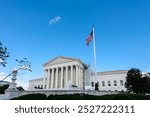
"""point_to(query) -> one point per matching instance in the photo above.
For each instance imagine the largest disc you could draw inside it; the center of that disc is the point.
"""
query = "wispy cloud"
(1, 61)
(23, 84)
(54, 20)
(2, 75)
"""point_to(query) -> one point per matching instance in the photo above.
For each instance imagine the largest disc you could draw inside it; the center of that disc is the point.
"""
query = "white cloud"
(24, 85)
(1, 61)
(2, 75)
(54, 20)
(23, 80)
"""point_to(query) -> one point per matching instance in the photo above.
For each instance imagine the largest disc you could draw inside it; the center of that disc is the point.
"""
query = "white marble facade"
(36, 83)
(63, 72)
(110, 80)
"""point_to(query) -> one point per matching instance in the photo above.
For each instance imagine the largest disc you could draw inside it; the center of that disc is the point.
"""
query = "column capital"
(77, 65)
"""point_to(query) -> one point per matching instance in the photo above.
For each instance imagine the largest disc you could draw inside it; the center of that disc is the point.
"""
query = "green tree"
(20, 88)
(137, 83)
(147, 83)
(3, 88)
(133, 80)
(3, 55)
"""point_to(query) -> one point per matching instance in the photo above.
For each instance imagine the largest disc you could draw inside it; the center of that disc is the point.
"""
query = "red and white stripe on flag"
(89, 39)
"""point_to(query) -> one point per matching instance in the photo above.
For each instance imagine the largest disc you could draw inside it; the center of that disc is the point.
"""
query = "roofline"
(76, 59)
(112, 72)
(35, 79)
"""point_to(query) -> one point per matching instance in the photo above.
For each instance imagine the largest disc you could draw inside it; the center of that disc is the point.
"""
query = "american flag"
(89, 39)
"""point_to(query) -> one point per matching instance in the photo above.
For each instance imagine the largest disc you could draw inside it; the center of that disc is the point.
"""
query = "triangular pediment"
(59, 60)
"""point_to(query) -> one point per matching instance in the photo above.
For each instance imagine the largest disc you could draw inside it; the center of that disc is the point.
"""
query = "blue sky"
(43, 29)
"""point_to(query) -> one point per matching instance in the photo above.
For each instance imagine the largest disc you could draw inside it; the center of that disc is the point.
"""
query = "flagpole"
(94, 49)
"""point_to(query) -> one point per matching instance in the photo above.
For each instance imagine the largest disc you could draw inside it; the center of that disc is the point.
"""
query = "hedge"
(83, 97)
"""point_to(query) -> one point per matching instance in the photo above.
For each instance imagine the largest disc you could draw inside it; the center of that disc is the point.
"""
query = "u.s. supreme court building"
(64, 73)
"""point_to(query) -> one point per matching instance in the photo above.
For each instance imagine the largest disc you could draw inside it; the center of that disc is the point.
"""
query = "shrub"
(83, 97)
(122, 97)
(31, 97)
(3, 88)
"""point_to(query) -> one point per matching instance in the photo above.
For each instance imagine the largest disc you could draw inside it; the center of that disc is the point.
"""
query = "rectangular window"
(115, 83)
(121, 83)
(92, 83)
(109, 84)
(103, 83)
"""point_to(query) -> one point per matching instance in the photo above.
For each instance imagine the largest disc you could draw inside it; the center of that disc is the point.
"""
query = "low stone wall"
(100, 93)
(51, 92)
(9, 95)
(4, 97)
(60, 92)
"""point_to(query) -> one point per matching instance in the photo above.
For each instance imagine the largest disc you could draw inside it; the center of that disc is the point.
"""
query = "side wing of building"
(36, 83)
(110, 81)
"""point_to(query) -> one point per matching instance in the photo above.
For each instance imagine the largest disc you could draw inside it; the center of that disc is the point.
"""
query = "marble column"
(56, 81)
(66, 75)
(77, 76)
(71, 74)
(52, 78)
(44, 80)
(61, 78)
(82, 82)
(48, 78)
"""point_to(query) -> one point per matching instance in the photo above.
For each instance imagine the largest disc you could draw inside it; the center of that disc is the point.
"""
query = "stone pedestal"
(12, 91)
